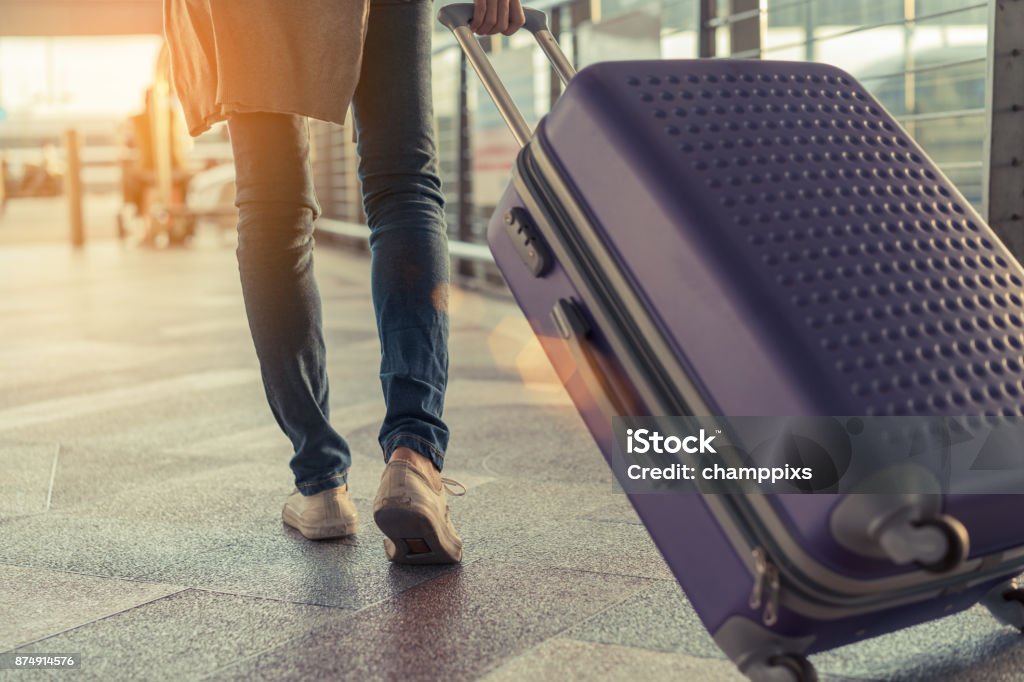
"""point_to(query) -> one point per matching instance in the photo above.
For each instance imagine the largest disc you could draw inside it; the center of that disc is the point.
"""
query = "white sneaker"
(327, 514)
(414, 517)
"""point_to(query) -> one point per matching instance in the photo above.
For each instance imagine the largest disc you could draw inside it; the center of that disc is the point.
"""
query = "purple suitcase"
(726, 237)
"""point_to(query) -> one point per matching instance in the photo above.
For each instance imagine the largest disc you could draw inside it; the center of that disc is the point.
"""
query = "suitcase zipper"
(767, 587)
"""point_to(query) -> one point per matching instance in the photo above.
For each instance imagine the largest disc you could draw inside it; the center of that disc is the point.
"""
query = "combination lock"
(529, 244)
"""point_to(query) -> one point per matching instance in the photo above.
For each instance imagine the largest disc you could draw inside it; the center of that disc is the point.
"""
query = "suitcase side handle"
(456, 18)
(609, 399)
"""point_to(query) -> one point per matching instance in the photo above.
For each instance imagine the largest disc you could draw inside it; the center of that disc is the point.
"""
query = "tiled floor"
(143, 478)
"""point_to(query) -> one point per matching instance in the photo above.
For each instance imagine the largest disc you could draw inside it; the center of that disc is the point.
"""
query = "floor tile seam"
(559, 633)
(134, 579)
(190, 557)
(280, 600)
(95, 620)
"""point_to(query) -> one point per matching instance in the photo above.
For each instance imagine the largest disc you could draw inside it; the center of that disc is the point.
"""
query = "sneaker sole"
(322, 532)
(414, 537)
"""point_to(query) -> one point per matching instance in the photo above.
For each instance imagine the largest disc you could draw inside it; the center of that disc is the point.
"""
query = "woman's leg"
(405, 211)
(276, 209)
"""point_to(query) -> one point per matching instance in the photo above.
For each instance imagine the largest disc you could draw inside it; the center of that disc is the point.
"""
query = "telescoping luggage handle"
(608, 398)
(457, 17)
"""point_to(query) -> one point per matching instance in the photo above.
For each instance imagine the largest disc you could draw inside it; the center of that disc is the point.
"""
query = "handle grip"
(457, 16)
(461, 14)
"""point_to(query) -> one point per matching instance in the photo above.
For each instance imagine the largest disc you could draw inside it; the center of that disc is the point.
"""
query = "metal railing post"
(73, 187)
(1003, 179)
(3, 183)
(706, 31)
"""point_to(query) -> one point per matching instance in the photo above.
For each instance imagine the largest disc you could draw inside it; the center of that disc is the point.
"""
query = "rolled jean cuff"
(414, 442)
(314, 487)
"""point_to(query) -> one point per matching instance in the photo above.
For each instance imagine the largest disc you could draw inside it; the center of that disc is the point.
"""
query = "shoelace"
(448, 482)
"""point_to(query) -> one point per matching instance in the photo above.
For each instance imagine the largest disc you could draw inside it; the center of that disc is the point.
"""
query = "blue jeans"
(409, 250)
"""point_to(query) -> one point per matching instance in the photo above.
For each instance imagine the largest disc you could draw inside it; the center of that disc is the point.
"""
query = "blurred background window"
(924, 59)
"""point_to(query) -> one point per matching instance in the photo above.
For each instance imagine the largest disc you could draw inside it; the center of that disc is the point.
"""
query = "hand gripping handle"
(456, 18)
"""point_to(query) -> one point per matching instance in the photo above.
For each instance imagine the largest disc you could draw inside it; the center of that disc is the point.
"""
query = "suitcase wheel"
(783, 668)
(1016, 596)
(957, 543)
(1006, 603)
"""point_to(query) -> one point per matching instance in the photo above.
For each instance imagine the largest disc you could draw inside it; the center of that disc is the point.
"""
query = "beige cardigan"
(285, 56)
